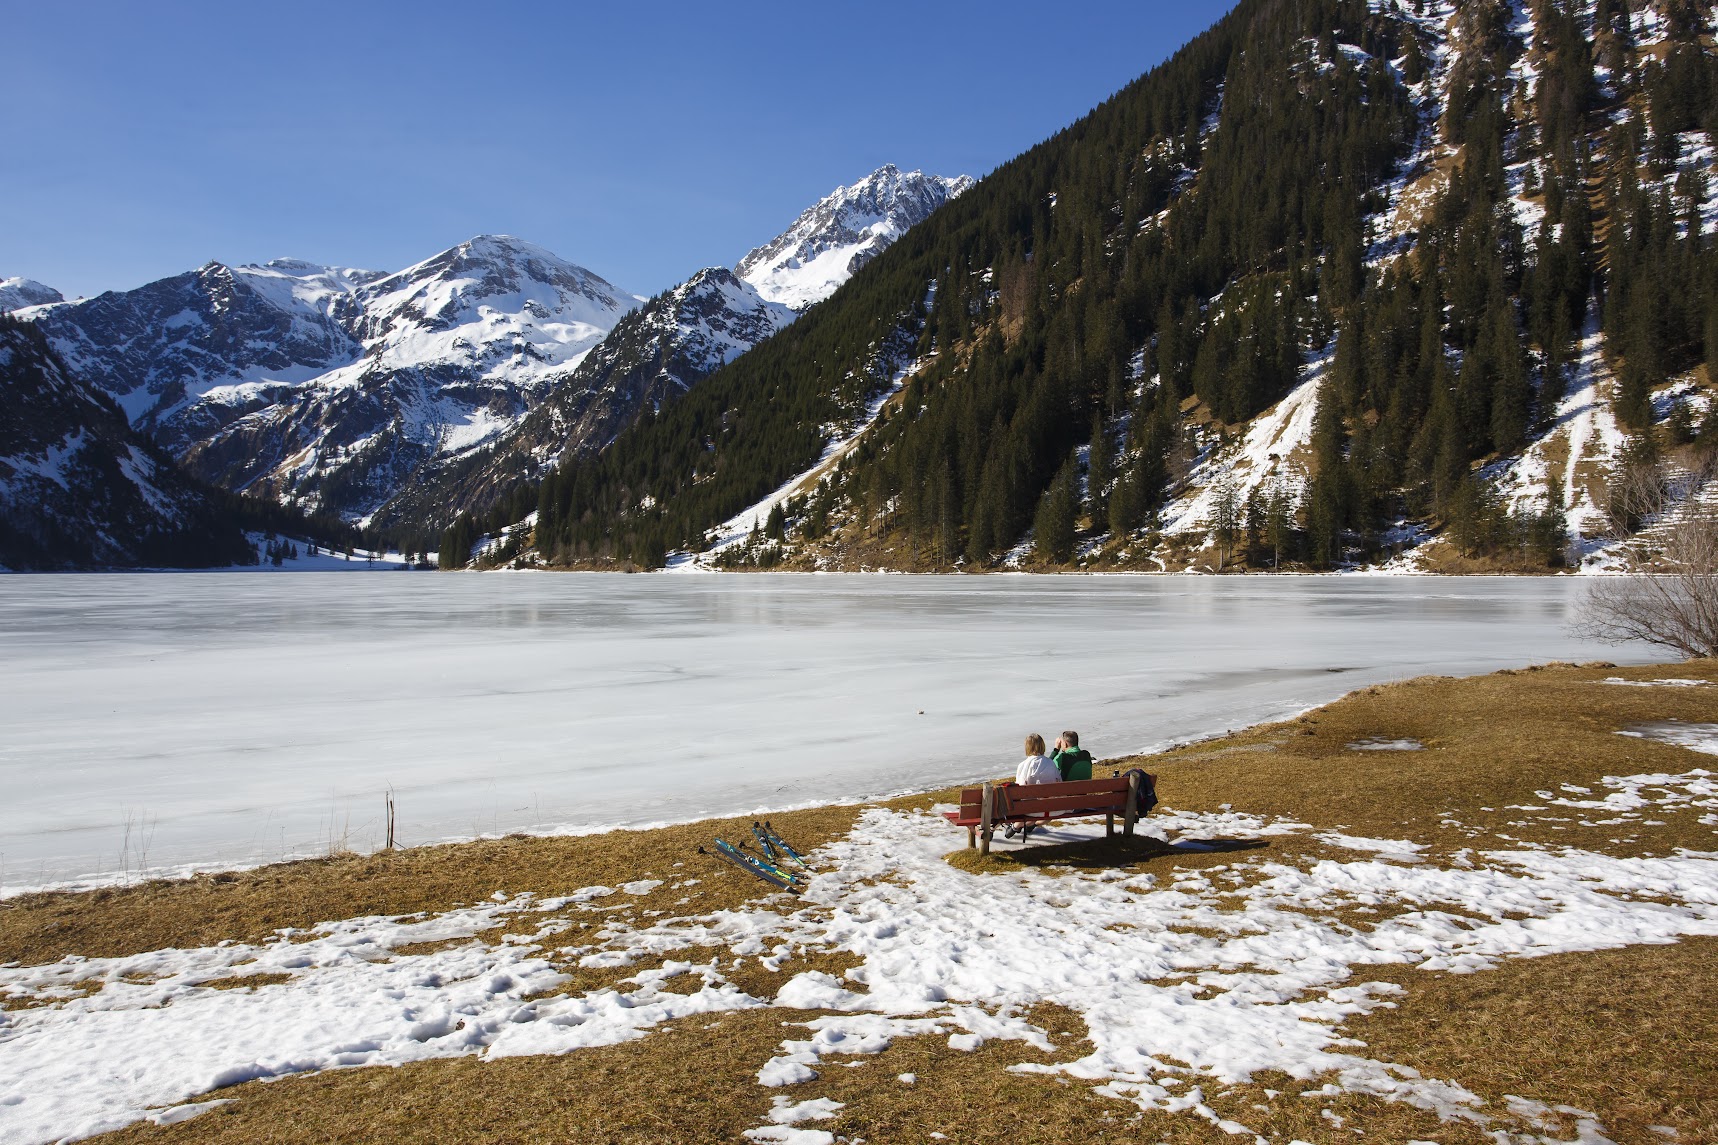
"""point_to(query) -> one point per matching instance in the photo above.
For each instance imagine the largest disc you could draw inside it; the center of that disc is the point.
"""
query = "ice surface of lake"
(218, 718)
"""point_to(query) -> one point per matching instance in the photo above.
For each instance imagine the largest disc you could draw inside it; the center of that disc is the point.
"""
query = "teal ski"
(764, 861)
(781, 844)
(763, 839)
(740, 861)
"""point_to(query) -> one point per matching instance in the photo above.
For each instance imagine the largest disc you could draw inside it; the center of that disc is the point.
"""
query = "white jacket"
(1037, 769)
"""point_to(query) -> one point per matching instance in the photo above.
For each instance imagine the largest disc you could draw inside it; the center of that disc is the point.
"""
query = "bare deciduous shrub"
(1670, 600)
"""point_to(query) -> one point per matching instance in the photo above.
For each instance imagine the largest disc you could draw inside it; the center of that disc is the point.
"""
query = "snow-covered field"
(162, 721)
(1209, 976)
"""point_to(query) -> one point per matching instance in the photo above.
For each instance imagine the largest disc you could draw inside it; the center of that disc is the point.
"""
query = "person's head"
(1034, 744)
(1072, 739)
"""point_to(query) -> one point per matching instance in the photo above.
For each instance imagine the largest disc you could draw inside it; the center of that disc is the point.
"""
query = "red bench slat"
(1062, 804)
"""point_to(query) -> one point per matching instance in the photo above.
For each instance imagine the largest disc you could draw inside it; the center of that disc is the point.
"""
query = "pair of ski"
(769, 863)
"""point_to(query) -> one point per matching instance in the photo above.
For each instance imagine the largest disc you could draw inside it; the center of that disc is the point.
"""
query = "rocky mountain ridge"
(328, 387)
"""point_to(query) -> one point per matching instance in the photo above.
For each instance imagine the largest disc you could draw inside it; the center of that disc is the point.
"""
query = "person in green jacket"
(1072, 760)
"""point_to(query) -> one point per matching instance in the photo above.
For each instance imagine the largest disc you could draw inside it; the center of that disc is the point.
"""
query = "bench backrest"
(1012, 799)
(1097, 795)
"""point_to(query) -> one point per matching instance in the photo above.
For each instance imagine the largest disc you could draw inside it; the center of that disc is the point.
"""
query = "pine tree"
(1279, 520)
(1225, 520)
(1100, 471)
(1053, 524)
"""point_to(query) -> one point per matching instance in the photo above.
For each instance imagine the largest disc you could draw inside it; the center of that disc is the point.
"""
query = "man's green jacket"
(1074, 763)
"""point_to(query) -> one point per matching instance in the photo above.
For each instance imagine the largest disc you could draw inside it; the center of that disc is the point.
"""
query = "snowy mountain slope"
(845, 230)
(79, 487)
(17, 293)
(1272, 450)
(405, 396)
(661, 350)
(653, 355)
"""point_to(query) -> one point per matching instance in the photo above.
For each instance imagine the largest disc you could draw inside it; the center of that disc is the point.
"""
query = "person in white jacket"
(1035, 768)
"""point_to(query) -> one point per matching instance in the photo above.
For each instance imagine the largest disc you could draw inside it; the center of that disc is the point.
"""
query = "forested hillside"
(1339, 277)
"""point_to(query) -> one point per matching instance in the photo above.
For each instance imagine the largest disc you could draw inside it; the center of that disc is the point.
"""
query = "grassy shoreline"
(1627, 1034)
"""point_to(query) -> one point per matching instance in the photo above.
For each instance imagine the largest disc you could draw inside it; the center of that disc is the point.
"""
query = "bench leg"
(987, 810)
(1109, 824)
(971, 838)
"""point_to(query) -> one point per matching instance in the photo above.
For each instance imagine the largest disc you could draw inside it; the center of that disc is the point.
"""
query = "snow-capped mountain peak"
(493, 294)
(17, 293)
(827, 244)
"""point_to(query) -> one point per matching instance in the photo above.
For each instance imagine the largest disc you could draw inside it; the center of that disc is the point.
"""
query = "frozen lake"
(225, 718)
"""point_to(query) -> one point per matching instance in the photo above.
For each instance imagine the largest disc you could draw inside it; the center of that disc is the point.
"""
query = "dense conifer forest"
(1369, 194)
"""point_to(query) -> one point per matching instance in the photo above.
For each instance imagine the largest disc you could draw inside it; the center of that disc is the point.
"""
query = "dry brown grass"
(1630, 1034)
(1491, 743)
(252, 905)
(1626, 1034)
(246, 981)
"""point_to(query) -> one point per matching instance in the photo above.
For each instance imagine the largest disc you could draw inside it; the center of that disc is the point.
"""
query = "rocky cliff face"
(79, 487)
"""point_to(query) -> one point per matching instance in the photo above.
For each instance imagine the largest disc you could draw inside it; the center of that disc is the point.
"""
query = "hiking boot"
(1010, 831)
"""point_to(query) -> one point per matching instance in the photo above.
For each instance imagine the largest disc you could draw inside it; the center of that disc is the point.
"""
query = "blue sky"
(640, 141)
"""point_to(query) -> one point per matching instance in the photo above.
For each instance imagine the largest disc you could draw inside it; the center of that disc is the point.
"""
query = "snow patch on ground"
(788, 1113)
(1671, 683)
(1387, 745)
(1696, 737)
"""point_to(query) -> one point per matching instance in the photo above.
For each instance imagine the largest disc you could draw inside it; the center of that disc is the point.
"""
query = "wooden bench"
(1027, 805)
